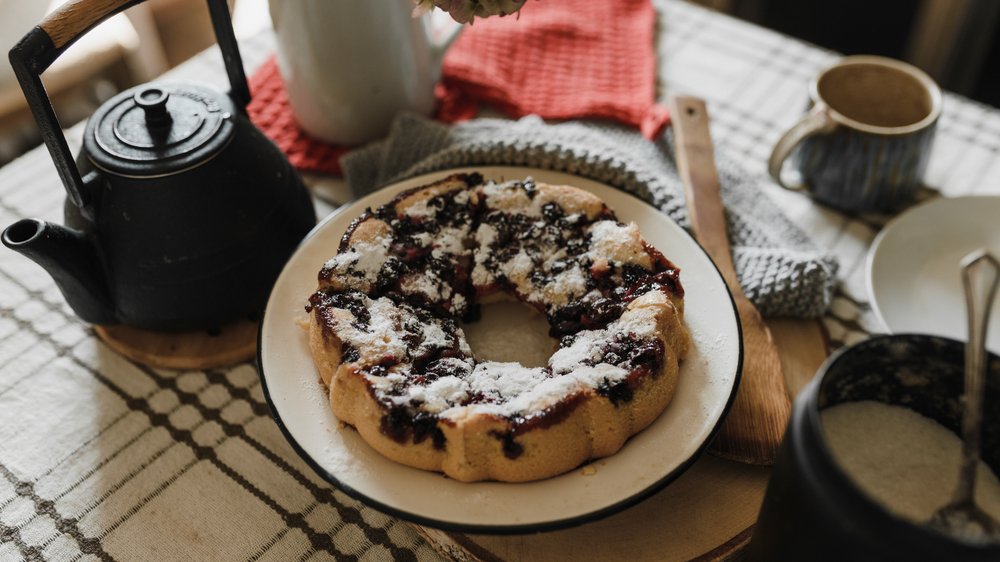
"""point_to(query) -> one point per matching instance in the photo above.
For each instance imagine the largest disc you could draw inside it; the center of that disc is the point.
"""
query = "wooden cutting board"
(706, 514)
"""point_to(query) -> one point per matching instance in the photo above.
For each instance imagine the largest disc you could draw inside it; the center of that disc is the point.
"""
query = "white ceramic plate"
(646, 463)
(913, 266)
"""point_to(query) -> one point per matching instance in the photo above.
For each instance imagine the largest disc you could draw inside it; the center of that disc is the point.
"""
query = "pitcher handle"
(814, 122)
(47, 41)
(440, 38)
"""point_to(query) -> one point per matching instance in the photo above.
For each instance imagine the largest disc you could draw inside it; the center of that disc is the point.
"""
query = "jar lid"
(159, 129)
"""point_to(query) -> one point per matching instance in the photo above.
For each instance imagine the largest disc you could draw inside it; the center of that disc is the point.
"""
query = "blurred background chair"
(957, 42)
(91, 71)
(129, 49)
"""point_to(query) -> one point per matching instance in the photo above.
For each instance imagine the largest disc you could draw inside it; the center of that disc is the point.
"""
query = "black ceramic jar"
(812, 509)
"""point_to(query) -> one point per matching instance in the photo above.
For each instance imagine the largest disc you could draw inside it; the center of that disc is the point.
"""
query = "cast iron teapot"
(180, 213)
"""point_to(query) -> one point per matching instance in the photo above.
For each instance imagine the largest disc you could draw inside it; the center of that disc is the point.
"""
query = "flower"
(464, 11)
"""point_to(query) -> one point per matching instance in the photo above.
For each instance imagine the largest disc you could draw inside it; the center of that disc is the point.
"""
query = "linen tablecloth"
(104, 459)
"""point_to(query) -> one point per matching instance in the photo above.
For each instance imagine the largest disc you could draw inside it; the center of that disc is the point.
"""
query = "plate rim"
(880, 237)
(494, 529)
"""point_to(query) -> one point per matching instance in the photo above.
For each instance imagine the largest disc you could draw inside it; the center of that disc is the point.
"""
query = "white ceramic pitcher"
(351, 65)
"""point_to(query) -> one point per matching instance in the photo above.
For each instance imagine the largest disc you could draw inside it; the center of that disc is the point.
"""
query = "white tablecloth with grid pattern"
(101, 458)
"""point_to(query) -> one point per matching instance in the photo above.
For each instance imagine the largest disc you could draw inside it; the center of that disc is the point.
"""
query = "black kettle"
(180, 213)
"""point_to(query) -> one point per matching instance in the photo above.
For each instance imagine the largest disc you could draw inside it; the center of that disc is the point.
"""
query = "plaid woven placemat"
(105, 459)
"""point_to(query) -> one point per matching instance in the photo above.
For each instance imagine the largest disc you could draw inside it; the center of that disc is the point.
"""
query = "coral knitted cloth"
(592, 59)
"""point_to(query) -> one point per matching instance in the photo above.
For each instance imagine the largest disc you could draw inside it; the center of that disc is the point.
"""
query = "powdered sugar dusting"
(435, 337)
(504, 380)
(439, 395)
(617, 243)
(510, 198)
(450, 240)
(381, 337)
(518, 271)
(420, 361)
(640, 321)
(365, 258)
(485, 236)
(584, 349)
(569, 285)
(427, 284)
(512, 389)
(421, 209)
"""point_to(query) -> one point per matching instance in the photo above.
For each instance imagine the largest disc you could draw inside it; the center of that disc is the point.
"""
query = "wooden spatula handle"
(696, 165)
(754, 426)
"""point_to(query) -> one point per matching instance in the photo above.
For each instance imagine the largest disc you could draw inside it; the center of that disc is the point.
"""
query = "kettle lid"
(159, 129)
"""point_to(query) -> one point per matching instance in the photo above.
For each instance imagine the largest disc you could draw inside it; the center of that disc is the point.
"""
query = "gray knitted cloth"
(779, 268)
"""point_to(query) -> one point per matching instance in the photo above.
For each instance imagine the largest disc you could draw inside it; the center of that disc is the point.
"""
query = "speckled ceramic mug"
(864, 143)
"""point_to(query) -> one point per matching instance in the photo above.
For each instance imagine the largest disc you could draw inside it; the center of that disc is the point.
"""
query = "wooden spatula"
(754, 427)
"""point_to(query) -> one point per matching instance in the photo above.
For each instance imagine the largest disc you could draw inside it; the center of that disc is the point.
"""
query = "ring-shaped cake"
(386, 339)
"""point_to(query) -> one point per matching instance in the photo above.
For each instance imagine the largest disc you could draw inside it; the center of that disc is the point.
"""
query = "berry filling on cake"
(387, 340)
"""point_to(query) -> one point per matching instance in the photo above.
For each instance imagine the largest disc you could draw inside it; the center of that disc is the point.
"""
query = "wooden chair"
(126, 50)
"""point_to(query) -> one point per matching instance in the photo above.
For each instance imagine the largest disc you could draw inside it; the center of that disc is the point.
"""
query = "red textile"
(557, 59)
(561, 60)
(269, 110)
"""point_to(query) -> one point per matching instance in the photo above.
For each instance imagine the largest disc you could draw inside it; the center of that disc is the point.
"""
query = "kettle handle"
(47, 41)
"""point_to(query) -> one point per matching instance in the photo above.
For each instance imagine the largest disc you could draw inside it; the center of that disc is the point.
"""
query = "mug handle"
(814, 122)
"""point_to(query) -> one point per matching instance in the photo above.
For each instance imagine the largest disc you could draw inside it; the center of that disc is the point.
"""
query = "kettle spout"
(72, 261)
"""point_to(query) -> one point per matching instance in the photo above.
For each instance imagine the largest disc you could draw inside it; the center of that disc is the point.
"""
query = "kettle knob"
(153, 102)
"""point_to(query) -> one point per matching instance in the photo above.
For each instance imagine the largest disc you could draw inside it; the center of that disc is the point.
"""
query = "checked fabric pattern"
(102, 459)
